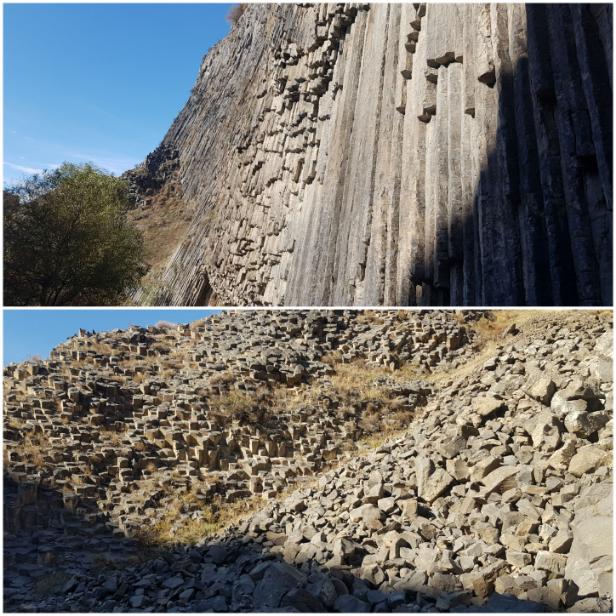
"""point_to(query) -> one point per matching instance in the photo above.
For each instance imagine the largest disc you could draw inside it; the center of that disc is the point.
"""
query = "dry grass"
(138, 377)
(371, 442)
(163, 221)
(50, 583)
(236, 11)
(241, 405)
(110, 436)
(356, 379)
(225, 377)
(33, 448)
(373, 317)
(103, 348)
(215, 517)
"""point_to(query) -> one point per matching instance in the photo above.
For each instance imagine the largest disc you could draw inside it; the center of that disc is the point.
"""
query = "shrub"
(235, 13)
(165, 324)
(66, 240)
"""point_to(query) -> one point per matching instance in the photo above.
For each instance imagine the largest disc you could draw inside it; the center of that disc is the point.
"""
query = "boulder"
(369, 515)
(587, 459)
(546, 431)
(552, 563)
(501, 480)
(589, 564)
(431, 481)
(278, 579)
(350, 603)
(486, 406)
(541, 387)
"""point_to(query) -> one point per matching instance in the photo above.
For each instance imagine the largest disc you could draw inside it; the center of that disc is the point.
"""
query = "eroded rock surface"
(120, 421)
(490, 500)
(395, 154)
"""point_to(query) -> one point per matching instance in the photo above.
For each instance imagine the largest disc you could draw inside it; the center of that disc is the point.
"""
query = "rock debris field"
(314, 461)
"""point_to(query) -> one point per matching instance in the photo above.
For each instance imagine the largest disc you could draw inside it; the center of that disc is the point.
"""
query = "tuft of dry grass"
(103, 348)
(241, 405)
(110, 436)
(178, 528)
(33, 447)
(357, 379)
(50, 583)
(236, 11)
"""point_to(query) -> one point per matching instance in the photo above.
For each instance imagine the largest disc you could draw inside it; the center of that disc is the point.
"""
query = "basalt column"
(399, 154)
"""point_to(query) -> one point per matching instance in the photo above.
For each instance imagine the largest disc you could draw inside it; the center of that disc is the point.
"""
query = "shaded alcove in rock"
(538, 228)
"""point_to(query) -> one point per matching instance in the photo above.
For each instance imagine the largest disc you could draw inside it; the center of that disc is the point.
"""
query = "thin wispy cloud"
(24, 168)
(15, 173)
(113, 164)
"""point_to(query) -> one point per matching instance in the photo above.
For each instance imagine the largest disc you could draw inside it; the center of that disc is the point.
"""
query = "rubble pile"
(497, 497)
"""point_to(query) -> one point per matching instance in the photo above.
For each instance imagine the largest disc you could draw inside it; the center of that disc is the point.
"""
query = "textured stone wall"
(398, 154)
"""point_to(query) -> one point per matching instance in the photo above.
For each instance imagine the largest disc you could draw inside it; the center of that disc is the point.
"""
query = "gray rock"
(369, 515)
(587, 459)
(278, 579)
(173, 582)
(501, 479)
(486, 406)
(349, 603)
(553, 563)
(302, 601)
(589, 564)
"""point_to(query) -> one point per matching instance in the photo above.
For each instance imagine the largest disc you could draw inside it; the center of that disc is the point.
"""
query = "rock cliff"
(394, 154)
(335, 461)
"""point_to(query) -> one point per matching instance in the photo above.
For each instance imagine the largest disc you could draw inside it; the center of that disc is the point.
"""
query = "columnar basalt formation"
(495, 496)
(395, 154)
(123, 421)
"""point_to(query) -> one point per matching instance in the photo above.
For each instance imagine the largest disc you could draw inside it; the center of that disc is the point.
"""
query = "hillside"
(389, 154)
(314, 461)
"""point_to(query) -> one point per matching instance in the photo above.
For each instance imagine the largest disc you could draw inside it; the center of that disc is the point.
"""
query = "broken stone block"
(587, 459)
(541, 388)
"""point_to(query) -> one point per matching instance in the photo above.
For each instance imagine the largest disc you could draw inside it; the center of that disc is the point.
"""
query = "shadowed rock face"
(398, 154)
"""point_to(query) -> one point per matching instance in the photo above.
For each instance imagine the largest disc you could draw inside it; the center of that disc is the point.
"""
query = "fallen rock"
(501, 480)
(541, 388)
(587, 459)
(589, 564)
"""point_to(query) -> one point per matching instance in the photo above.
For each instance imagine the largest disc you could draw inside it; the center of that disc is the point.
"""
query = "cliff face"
(396, 154)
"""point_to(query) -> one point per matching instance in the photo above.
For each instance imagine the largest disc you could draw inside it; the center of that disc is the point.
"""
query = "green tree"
(67, 241)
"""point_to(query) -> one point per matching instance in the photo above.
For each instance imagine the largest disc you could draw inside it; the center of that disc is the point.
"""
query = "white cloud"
(23, 168)
(113, 164)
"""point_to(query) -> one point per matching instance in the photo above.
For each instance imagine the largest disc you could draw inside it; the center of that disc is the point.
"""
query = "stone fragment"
(501, 479)
(278, 579)
(369, 515)
(486, 406)
(589, 563)
(541, 388)
(349, 603)
(587, 459)
(173, 582)
(553, 563)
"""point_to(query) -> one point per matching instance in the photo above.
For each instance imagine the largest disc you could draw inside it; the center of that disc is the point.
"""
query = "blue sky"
(98, 83)
(36, 332)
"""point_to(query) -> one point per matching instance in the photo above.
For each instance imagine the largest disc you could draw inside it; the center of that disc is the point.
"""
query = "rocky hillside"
(393, 154)
(312, 461)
